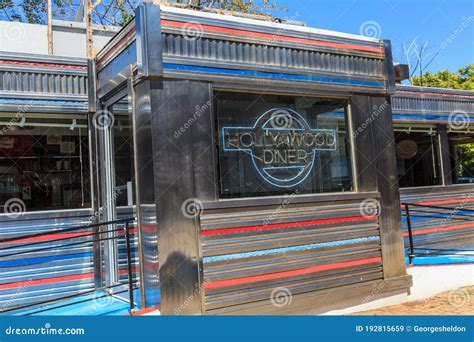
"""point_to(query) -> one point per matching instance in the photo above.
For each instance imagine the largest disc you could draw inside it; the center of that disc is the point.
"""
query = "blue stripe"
(442, 260)
(25, 262)
(31, 101)
(263, 74)
(423, 117)
(30, 261)
(289, 249)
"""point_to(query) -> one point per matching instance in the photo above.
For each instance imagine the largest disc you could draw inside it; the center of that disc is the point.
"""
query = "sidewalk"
(456, 302)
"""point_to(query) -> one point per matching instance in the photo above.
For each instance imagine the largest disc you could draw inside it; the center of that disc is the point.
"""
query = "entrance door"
(114, 126)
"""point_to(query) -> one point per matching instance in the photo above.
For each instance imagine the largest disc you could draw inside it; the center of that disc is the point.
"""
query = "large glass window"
(417, 157)
(275, 145)
(44, 163)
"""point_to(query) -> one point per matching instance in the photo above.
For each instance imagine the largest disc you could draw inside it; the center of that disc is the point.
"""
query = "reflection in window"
(123, 153)
(275, 145)
(44, 163)
(417, 158)
(461, 150)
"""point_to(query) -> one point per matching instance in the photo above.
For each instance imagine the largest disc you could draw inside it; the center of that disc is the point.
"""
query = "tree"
(117, 12)
(463, 79)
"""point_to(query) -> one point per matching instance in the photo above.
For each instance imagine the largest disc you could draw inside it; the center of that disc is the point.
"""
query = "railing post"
(129, 266)
(410, 235)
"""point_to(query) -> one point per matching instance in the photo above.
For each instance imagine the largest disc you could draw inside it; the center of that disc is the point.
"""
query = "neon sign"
(281, 145)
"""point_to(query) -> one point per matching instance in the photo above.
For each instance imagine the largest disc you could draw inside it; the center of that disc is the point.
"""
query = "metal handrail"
(441, 210)
(126, 229)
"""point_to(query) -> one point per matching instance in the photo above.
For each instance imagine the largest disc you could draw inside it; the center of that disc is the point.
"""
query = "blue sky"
(401, 21)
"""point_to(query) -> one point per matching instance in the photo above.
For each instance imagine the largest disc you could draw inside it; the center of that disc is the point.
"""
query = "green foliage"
(262, 7)
(116, 12)
(463, 79)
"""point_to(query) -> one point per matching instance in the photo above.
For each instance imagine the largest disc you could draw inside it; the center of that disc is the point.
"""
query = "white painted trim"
(279, 26)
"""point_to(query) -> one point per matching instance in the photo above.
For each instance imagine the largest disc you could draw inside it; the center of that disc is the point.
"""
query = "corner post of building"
(145, 82)
(94, 169)
(393, 252)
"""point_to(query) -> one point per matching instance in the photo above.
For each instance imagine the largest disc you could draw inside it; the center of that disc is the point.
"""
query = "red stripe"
(269, 36)
(51, 237)
(36, 282)
(100, 63)
(433, 94)
(286, 225)
(460, 200)
(440, 229)
(293, 273)
(125, 271)
(144, 311)
(45, 65)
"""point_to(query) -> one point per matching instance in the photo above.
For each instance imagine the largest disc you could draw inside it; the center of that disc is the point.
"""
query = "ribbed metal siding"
(21, 274)
(441, 105)
(445, 238)
(125, 213)
(42, 82)
(225, 51)
(25, 270)
(315, 235)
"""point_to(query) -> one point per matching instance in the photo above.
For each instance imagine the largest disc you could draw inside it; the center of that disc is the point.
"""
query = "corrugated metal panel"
(214, 51)
(443, 229)
(440, 105)
(39, 275)
(431, 104)
(43, 83)
(32, 276)
(304, 248)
